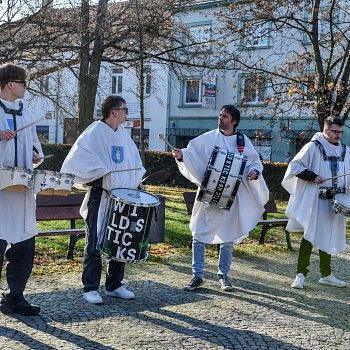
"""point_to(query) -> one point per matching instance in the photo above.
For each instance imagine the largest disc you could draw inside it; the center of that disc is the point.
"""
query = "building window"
(44, 84)
(148, 80)
(192, 91)
(254, 34)
(200, 37)
(309, 95)
(117, 80)
(326, 25)
(43, 133)
(263, 146)
(135, 135)
(252, 89)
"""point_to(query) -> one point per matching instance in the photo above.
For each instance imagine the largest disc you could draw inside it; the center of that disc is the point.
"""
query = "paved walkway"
(262, 312)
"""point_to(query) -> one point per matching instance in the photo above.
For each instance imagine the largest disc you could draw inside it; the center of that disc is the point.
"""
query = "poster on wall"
(209, 91)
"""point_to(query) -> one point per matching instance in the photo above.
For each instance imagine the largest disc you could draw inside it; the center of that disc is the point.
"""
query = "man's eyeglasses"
(24, 82)
(336, 131)
(122, 108)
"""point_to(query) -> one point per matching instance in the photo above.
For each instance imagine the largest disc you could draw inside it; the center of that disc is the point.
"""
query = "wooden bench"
(61, 208)
(270, 207)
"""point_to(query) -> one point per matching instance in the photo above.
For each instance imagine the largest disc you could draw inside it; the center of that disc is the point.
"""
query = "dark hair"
(109, 103)
(236, 115)
(333, 120)
(10, 72)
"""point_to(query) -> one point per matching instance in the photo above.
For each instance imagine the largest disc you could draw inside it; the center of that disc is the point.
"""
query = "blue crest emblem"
(117, 154)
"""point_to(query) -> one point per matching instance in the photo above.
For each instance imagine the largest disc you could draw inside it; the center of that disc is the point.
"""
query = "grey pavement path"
(263, 311)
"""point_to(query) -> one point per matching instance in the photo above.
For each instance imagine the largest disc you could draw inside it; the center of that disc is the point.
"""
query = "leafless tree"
(305, 61)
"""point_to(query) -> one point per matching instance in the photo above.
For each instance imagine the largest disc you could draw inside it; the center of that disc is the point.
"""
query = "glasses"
(24, 82)
(336, 131)
(122, 108)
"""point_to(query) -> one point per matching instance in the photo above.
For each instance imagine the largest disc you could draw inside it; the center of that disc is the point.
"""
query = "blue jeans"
(198, 254)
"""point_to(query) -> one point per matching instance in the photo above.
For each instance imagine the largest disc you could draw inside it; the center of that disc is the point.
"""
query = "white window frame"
(117, 80)
(323, 25)
(185, 91)
(260, 95)
(200, 33)
(148, 80)
(44, 83)
(258, 37)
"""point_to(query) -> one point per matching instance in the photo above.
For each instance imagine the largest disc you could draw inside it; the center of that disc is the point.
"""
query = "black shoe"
(195, 283)
(24, 309)
(225, 283)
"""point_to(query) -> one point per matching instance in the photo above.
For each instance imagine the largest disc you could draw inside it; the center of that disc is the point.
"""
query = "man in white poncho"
(309, 208)
(100, 151)
(17, 209)
(210, 224)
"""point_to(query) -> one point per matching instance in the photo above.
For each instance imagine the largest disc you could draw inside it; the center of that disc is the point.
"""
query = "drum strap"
(14, 113)
(333, 161)
(11, 111)
(325, 157)
(240, 142)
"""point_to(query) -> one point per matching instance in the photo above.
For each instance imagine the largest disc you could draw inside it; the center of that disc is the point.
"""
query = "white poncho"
(17, 209)
(210, 224)
(98, 151)
(306, 211)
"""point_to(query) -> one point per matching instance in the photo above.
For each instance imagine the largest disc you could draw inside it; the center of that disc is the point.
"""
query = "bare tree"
(305, 60)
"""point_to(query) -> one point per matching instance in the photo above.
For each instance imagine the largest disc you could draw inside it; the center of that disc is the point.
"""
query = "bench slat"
(57, 213)
(77, 231)
(74, 199)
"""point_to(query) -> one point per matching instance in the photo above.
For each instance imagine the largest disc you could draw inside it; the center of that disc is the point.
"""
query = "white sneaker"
(121, 292)
(93, 297)
(299, 281)
(332, 281)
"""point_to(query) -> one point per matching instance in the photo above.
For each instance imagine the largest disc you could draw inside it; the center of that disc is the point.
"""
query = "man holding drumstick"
(21, 149)
(104, 157)
(210, 224)
(313, 178)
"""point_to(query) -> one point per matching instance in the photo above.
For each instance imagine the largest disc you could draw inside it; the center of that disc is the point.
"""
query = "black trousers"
(92, 266)
(304, 259)
(20, 259)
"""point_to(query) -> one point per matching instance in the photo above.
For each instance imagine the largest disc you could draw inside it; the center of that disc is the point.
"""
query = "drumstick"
(119, 171)
(334, 177)
(162, 137)
(30, 124)
(46, 157)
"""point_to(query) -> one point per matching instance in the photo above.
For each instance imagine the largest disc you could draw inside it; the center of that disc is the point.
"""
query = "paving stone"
(262, 312)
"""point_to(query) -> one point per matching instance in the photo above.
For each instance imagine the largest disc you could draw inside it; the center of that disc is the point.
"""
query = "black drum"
(127, 223)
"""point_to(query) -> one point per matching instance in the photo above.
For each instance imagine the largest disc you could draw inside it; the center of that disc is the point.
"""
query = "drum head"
(136, 197)
(342, 199)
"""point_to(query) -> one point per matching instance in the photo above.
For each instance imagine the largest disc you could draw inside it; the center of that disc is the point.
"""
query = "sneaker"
(225, 283)
(332, 281)
(195, 283)
(299, 281)
(93, 297)
(120, 292)
(24, 309)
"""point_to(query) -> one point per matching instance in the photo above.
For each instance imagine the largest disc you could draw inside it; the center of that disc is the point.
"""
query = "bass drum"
(127, 223)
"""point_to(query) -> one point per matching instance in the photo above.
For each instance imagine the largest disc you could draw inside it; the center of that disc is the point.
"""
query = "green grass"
(51, 251)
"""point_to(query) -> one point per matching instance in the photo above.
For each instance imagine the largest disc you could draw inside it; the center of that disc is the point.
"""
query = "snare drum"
(14, 179)
(341, 204)
(222, 178)
(64, 183)
(126, 225)
(45, 181)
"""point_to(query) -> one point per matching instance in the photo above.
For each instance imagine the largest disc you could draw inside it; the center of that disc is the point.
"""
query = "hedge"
(156, 160)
